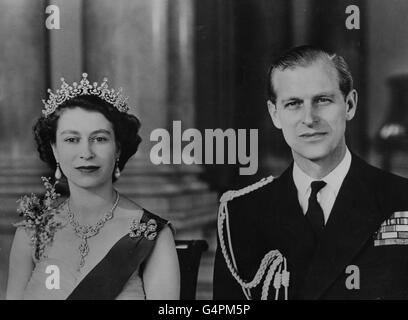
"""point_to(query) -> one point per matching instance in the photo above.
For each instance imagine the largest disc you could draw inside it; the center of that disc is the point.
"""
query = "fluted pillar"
(262, 31)
(22, 86)
(147, 47)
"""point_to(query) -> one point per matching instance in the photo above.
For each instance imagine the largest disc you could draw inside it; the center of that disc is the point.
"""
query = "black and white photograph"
(212, 150)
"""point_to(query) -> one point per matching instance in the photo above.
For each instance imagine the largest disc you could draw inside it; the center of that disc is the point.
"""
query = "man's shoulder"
(379, 177)
(387, 189)
(254, 191)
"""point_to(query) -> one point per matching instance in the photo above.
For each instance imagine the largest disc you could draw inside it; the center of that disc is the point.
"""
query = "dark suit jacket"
(271, 218)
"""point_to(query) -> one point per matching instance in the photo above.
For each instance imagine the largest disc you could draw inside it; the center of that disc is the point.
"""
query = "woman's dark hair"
(126, 127)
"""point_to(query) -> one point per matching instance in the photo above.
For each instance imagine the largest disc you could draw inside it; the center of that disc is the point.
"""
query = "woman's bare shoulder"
(128, 209)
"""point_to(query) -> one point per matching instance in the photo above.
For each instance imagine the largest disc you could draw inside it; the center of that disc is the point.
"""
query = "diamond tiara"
(84, 87)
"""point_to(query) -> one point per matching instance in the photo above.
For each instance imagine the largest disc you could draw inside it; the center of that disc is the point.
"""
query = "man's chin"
(313, 154)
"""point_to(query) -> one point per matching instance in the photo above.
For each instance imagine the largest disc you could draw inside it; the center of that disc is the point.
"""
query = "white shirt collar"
(334, 179)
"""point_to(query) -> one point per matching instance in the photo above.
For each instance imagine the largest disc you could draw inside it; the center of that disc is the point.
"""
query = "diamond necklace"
(87, 231)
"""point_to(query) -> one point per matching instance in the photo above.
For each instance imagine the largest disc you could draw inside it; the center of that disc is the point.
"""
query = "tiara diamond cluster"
(66, 92)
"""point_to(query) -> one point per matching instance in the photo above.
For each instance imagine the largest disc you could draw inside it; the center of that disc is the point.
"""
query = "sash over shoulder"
(107, 279)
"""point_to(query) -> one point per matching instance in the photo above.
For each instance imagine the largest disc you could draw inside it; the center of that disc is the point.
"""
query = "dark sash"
(107, 279)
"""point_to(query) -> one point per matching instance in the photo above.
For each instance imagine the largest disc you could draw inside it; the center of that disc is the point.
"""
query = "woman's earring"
(117, 171)
(58, 173)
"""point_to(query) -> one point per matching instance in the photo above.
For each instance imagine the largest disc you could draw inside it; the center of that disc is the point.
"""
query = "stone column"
(327, 29)
(23, 76)
(146, 47)
(261, 32)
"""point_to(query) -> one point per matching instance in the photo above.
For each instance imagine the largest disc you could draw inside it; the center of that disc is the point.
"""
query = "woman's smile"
(88, 169)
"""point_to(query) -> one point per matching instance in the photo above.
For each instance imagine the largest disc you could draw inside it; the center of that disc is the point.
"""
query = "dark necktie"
(314, 211)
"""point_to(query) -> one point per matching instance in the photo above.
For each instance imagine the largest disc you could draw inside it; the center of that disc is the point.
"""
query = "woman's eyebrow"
(93, 132)
(69, 132)
(101, 131)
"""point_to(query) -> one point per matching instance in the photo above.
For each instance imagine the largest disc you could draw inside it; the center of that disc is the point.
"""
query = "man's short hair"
(304, 56)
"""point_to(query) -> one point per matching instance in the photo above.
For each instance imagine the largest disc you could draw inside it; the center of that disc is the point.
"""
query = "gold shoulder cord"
(272, 263)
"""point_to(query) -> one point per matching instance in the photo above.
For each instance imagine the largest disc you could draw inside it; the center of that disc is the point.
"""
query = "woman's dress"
(56, 276)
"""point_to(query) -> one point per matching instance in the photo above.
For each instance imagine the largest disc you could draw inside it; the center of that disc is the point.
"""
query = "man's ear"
(54, 151)
(351, 103)
(273, 112)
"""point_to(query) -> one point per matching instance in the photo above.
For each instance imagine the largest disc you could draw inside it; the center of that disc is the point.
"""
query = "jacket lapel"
(292, 236)
(291, 220)
(352, 222)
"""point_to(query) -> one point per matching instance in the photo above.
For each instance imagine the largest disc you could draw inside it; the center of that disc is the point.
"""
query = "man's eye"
(323, 100)
(292, 104)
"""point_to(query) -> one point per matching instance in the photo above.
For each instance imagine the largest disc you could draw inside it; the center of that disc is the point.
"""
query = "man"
(325, 212)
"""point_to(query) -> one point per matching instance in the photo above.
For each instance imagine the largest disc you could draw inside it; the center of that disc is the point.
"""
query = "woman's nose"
(86, 150)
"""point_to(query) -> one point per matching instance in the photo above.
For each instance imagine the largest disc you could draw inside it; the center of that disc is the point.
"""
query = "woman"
(105, 246)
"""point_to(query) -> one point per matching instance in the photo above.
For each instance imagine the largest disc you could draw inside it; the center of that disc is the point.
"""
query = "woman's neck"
(89, 205)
